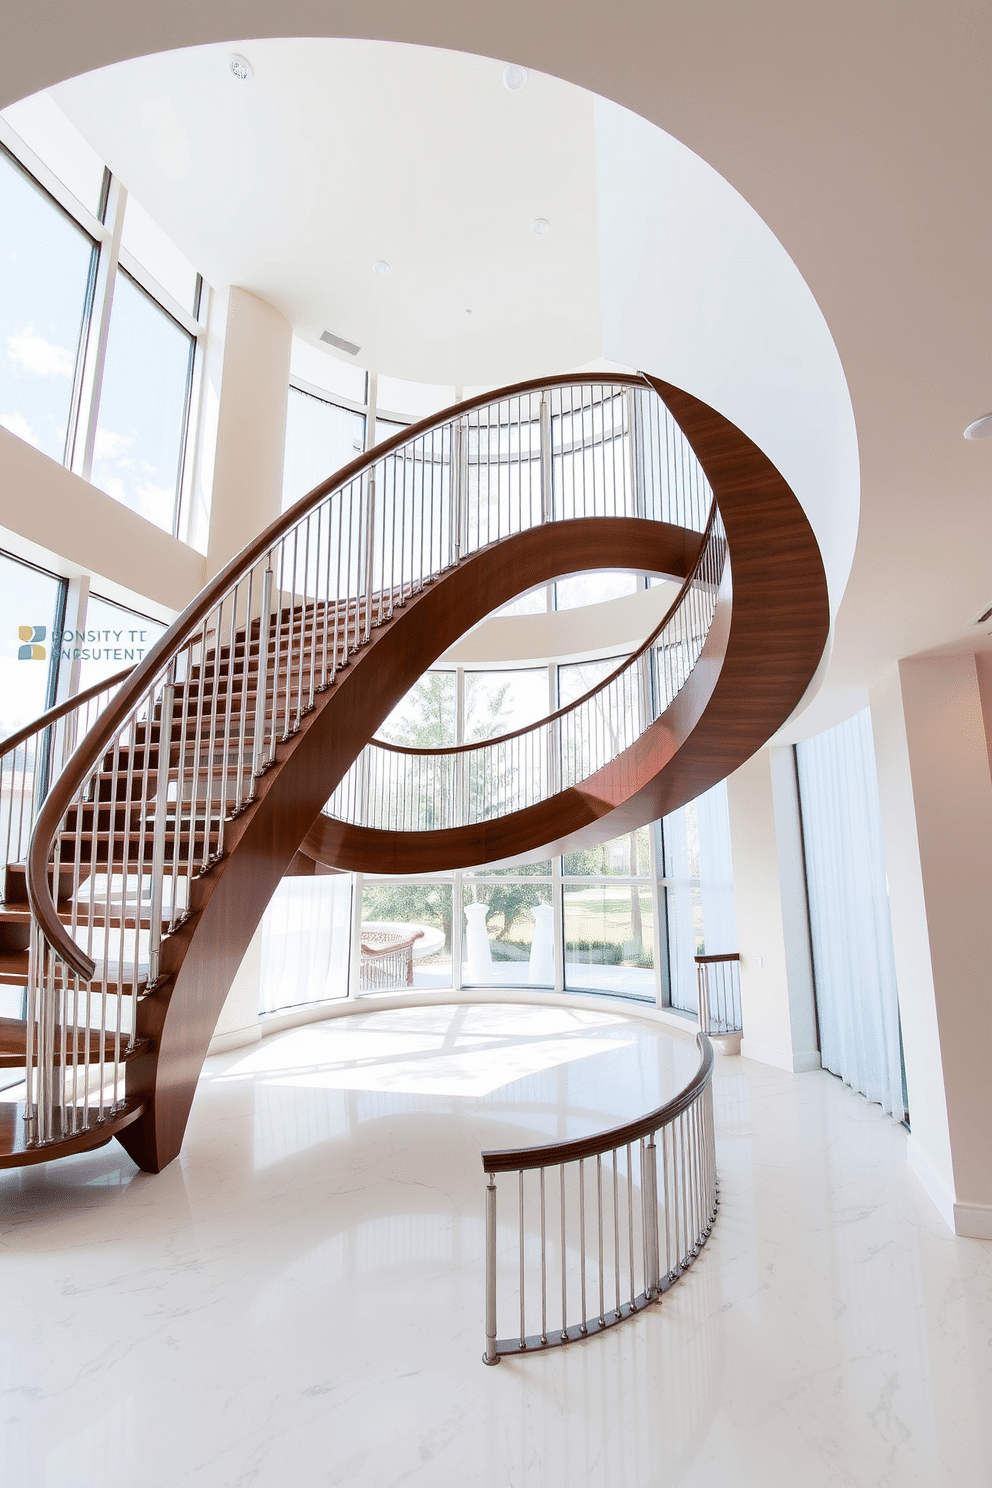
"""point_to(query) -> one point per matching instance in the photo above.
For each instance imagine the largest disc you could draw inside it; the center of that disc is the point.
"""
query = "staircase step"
(16, 1152)
(13, 1045)
(14, 973)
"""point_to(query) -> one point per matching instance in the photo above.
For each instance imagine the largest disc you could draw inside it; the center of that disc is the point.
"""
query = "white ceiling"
(860, 133)
(337, 154)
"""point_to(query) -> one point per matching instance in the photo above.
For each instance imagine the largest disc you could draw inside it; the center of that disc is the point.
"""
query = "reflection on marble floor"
(298, 1300)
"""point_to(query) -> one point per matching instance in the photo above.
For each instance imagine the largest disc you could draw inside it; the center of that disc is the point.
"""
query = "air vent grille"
(983, 617)
(340, 343)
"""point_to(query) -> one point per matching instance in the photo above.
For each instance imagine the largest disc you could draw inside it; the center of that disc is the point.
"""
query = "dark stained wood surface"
(16, 1153)
(201, 958)
(762, 652)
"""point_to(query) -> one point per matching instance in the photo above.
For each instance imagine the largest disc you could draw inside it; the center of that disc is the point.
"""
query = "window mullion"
(97, 335)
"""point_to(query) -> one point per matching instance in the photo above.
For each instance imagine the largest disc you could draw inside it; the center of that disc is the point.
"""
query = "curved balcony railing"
(144, 806)
(398, 788)
(601, 1226)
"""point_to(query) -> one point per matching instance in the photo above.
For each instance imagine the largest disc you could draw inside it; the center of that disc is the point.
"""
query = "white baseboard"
(973, 1221)
(797, 1064)
(235, 1038)
(970, 1221)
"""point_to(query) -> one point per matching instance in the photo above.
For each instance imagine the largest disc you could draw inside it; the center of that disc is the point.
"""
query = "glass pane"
(394, 956)
(684, 912)
(609, 940)
(30, 601)
(499, 702)
(508, 935)
(30, 606)
(306, 942)
(384, 429)
(320, 439)
(155, 251)
(45, 264)
(628, 857)
(414, 399)
(113, 638)
(45, 129)
(139, 439)
(574, 680)
(680, 836)
(516, 870)
(593, 588)
(426, 716)
(534, 603)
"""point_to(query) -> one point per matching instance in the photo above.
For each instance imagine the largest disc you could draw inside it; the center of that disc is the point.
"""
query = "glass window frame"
(105, 232)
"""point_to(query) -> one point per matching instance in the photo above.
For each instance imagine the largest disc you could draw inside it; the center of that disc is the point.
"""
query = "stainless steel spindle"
(564, 1257)
(491, 1356)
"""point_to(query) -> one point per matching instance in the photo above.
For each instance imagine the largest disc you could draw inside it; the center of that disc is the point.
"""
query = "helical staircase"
(149, 821)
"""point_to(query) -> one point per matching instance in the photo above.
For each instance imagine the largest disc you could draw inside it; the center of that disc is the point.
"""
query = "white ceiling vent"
(340, 343)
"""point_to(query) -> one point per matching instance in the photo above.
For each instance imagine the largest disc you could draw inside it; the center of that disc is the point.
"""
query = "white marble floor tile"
(298, 1301)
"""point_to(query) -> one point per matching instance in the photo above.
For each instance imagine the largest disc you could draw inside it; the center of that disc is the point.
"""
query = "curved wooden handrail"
(776, 619)
(713, 960)
(513, 1159)
(7, 746)
(390, 947)
(184, 628)
(624, 666)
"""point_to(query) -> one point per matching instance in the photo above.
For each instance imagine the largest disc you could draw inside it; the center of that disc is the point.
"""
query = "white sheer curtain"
(306, 939)
(677, 830)
(716, 871)
(851, 933)
(700, 890)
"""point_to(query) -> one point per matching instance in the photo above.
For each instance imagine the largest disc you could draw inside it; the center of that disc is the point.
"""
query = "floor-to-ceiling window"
(101, 318)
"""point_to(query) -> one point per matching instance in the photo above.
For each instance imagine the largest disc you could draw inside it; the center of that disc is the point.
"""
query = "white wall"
(60, 521)
(932, 754)
(696, 289)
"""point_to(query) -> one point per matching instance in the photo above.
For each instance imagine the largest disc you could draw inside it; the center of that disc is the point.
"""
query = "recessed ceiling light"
(380, 266)
(540, 226)
(240, 67)
(514, 77)
(980, 429)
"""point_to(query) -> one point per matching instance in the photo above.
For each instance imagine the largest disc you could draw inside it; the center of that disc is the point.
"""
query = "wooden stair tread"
(13, 1044)
(17, 1152)
(14, 973)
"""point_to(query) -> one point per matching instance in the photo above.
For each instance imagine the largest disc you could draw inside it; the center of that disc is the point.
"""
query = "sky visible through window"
(139, 436)
(45, 262)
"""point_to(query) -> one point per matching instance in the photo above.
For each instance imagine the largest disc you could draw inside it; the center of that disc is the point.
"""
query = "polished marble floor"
(298, 1300)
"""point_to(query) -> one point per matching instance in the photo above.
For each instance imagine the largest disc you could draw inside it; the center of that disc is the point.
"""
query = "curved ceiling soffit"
(718, 306)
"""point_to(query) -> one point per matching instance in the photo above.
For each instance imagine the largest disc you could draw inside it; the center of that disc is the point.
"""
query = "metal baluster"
(599, 1211)
(564, 1259)
(491, 1356)
(583, 1312)
(523, 1331)
(544, 1267)
(630, 1223)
